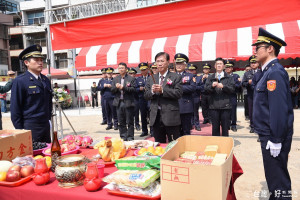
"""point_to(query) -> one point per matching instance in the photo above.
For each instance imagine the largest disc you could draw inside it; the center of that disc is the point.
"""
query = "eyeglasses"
(257, 47)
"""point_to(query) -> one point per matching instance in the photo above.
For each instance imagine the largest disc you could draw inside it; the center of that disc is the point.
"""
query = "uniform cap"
(266, 37)
(132, 71)
(143, 66)
(252, 59)
(180, 57)
(192, 67)
(153, 65)
(103, 70)
(109, 70)
(229, 63)
(206, 66)
(34, 51)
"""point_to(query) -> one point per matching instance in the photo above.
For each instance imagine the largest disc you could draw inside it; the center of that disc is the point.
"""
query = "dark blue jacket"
(272, 104)
(99, 85)
(238, 84)
(106, 91)
(31, 100)
(140, 82)
(186, 102)
(245, 82)
(197, 93)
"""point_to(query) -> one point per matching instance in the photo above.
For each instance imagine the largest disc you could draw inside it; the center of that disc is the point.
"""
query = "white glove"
(274, 148)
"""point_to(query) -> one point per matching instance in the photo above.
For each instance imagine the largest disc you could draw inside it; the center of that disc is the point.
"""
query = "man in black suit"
(123, 86)
(220, 86)
(164, 92)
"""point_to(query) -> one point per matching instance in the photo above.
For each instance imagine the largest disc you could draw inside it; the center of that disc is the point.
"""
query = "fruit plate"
(40, 151)
(124, 194)
(128, 154)
(16, 183)
(74, 151)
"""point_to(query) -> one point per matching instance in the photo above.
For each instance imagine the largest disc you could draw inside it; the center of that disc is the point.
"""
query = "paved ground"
(251, 185)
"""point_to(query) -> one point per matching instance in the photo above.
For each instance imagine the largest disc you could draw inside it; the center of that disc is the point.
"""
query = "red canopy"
(202, 29)
(56, 73)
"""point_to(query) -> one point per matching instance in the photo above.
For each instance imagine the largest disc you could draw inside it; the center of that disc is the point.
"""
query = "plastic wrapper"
(133, 178)
(153, 190)
(22, 161)
(138, 163)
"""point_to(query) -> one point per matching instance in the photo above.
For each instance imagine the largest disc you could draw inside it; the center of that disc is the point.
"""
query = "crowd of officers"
(216, 94)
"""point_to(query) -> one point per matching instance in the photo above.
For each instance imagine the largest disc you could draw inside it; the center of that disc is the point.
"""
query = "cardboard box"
(15, 143)
(184, 181)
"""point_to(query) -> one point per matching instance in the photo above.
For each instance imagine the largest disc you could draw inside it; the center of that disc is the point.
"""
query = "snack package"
(153, 190)
(133, 178)
(138, 163)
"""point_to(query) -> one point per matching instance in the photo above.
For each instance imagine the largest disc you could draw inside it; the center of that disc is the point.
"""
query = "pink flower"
(169, 81)
(128, 84)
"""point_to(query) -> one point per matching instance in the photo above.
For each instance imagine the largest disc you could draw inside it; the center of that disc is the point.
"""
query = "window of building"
(61, 60)
(6, 6)
(3, 57)
(36, 18)
(142, 3)
(39, 38)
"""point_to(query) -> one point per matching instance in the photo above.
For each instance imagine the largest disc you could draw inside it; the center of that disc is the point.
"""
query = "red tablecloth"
(52, 191)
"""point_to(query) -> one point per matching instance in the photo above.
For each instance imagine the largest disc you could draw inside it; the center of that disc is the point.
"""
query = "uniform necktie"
(219, 76)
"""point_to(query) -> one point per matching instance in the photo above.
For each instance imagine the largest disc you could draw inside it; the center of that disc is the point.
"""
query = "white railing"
(96, 8)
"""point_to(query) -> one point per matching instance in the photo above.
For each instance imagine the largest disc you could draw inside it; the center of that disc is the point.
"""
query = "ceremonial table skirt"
(51, 191)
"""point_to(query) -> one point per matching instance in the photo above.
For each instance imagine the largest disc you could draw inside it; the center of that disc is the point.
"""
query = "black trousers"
(205, 98)
(220, 117)
(94, 99)
(276, 170)
(126, 124)
(144, 113)
(111, 113)
(195, 117)
(161, 132)
(250, 106)
(40, 131)
(185, 128)
(104, 115)
(136, 113)
(246, 108)
(233, 110)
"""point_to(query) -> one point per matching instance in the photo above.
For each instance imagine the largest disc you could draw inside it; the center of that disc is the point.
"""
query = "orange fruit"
(48, 161)
(2, 176)
(141, 151)
(37, 157)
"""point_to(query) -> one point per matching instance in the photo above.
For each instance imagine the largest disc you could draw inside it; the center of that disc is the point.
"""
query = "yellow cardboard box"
(15, 143)
(184, 181)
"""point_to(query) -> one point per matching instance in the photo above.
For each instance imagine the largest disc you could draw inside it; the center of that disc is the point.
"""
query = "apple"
(15, 168)
(13, 175)
(27, 170)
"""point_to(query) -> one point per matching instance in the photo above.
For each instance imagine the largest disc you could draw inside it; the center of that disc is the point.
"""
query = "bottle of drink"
(55, 150)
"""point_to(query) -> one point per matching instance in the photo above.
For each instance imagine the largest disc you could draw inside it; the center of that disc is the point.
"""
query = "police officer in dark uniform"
(237, 80)
(111, 111)
(104, 115)
(249, 80)
(153, 67)
(186, 102)
(143, 103)
(205, 96)
(196, 95)
(31, 96)
(132, 72)
(273, 115)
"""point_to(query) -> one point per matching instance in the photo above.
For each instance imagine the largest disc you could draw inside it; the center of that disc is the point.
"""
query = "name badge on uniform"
(33, 86)
(271, 85)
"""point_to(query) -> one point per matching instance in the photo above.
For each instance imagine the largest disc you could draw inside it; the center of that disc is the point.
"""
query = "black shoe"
(192, 127)
(233, 128)
(252, 130)
(138, 128)
(103, 123)
(116, 128)
(205, 121)
(143, 134)
(247, 118)
(198, 128)
(109, 127)
(258, 140)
